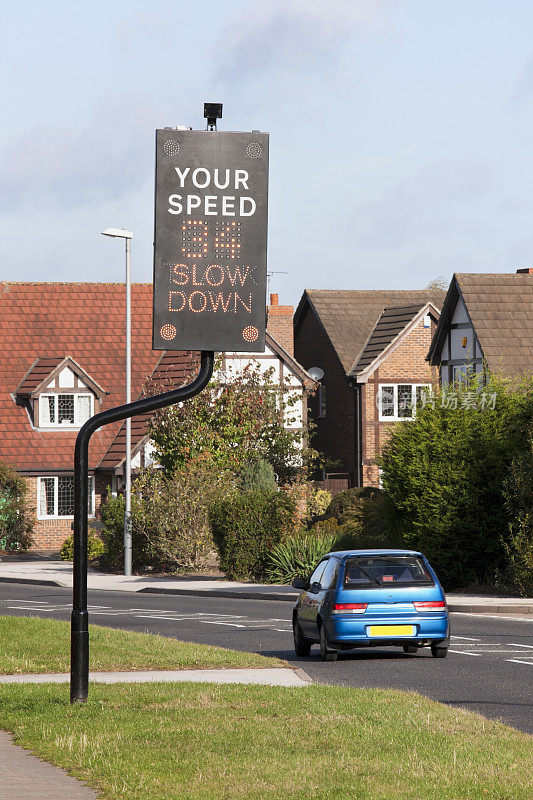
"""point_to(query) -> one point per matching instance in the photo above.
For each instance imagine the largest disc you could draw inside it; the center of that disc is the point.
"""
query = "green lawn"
(31, 645)
(190, 741)
(208, 742)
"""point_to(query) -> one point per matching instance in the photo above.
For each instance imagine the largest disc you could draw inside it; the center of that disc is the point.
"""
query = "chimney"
(279, 324)
(524, 271)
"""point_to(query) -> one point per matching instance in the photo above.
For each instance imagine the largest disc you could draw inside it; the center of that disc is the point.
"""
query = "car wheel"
(326, 653)
(410, 648)
(302, 646)
(438, 652)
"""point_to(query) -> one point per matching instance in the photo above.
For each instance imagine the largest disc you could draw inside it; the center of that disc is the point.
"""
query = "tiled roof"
(389, 325)
(501, 309)
(50, 321)
(349, 315)
(36, 375)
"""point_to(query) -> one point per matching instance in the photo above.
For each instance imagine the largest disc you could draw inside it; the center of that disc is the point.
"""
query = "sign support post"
(79, 647)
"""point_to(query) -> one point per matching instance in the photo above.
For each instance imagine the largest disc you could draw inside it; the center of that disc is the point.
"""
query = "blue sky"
(401, 132)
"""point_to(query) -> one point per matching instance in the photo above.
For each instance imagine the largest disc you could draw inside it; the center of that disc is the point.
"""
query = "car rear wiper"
(374, 580)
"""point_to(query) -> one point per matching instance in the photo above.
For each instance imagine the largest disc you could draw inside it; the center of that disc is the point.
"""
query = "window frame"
(395, 417)
(56, 515)
(64, 425)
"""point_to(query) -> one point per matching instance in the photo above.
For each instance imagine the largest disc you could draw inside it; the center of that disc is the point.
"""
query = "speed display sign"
(211, 198)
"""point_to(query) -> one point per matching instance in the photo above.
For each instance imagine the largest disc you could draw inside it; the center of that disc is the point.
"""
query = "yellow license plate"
(391, 630)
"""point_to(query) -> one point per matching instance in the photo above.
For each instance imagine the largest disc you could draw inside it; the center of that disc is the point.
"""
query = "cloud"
(438, 199)
(58, 167)
(274, 35)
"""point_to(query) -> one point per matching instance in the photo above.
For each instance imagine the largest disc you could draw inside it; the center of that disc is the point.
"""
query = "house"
(486, 323)
(371, 347)
(62, 359)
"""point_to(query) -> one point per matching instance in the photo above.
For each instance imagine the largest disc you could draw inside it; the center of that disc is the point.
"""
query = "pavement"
(277, 676)
(23, 776)
(50, 572)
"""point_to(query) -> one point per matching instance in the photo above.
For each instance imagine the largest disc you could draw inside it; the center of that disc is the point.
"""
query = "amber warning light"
(211, 199)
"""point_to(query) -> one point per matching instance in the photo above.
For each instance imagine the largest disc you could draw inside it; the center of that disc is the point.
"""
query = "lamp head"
(119, 233)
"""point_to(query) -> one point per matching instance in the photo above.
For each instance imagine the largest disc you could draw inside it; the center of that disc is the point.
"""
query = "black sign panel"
(210, 240)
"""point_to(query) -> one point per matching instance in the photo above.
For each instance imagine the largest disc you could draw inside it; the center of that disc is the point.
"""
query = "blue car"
(371, 598)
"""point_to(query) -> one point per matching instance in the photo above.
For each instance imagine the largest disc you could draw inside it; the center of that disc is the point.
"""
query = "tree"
(445, 475)
(16, 523)
(234, 420)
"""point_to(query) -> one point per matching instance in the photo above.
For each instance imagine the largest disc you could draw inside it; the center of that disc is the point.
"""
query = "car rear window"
(368, 571)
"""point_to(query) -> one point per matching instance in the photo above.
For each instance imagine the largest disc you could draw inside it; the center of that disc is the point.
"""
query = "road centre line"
(518, 661)
(514, 644)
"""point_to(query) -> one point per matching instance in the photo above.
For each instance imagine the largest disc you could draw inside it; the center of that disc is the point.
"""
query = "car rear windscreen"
(368, 571)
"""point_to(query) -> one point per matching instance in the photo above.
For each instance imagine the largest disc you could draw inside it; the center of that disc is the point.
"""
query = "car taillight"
(349, 608)
(430, 605)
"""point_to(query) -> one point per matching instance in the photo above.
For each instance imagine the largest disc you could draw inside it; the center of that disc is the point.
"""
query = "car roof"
(395, 552)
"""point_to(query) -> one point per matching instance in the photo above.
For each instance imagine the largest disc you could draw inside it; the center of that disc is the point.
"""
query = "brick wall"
(406, 364)
(335, 434)
(49, 534)
(279, 324)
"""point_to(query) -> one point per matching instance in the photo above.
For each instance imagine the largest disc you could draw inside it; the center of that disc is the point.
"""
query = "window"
(375, 571)
(330, 573)
(59, 410)
(461, 375)
(317, 574)
(400, 400)
(321, 401)
(55, 496)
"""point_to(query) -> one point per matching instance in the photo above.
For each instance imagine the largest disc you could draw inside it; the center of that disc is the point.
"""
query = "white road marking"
(514, 644)
(470, 638)
(17, 600)
(518, 661)
(492, 616)
(464, 652)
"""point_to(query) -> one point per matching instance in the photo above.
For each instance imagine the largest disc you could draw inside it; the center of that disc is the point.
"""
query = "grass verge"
(222, 742)
(30, 645)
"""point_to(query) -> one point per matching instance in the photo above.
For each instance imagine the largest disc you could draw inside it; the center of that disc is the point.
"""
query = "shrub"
(298, 555)
(444, 474)
(170, 528)
(95, 547)
(361, 514)
(257, 474)
(518, 544)
(319, 503)
(16, 523)
(246, 526)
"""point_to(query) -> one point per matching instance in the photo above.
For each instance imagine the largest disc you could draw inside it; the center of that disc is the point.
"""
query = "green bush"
(445, 473)
(297, 556)
(16, 523)
(361, 514)
(95, 547)
(246, 526)
(319, 503)
(169, 522)
(518, 544)
(257, 474)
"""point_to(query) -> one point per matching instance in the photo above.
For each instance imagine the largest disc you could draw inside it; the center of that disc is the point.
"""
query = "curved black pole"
(79, 642)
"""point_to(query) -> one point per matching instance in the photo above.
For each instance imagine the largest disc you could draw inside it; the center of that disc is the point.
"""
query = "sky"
(401, 132)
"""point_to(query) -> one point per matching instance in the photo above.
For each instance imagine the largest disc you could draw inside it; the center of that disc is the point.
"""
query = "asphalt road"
(489, 668)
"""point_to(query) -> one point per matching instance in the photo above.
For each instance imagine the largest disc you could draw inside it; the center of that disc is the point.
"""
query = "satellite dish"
(316, 373)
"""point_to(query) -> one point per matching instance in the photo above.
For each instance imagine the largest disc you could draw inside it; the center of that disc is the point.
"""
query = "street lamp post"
(120, 233)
